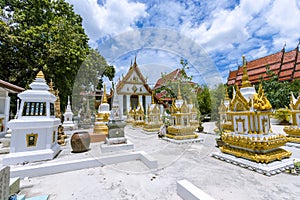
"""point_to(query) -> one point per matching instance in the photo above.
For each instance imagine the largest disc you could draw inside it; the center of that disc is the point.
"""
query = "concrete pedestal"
(31, 156)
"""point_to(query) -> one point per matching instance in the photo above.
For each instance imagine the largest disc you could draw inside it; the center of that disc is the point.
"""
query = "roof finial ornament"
(283, 48)
(104, 99)
(179, 97)
(245, 80)
(40, 75)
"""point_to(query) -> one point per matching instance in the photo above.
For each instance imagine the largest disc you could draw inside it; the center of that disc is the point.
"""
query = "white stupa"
(34, 132)
(68, 118)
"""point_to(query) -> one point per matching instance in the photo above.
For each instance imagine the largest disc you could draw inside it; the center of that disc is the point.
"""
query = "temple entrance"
(144, 103)
(134, 101)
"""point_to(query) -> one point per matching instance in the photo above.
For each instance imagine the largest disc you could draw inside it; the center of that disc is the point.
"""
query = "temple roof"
(133, 68)
(284, 64)
(10, 87)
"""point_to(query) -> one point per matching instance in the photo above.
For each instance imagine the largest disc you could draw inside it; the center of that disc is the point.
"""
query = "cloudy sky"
(211, 35)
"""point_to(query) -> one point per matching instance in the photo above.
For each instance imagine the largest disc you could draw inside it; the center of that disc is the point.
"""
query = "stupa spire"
(179, 97)
(104, 99)
(40, 75)
(245, 78)
(152, 98)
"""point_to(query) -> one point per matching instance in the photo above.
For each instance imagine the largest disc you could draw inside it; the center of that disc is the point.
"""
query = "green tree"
(204, 101)
(41, 34)
(278, 93)
(217, 95)
(90, 76)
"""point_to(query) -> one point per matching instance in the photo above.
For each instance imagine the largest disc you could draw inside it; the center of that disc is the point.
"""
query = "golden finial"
(40, 75)
(245, 80)
(226, 94)
(152, 98)
(104, 99)
(179, 97)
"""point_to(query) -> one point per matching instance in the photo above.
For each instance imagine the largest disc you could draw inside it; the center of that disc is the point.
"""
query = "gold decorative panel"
(31, 139)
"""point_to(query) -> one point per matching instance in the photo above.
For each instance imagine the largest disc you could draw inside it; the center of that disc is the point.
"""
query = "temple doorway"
(134, 100)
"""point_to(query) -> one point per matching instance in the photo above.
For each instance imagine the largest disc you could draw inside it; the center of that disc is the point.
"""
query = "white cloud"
(114, 17)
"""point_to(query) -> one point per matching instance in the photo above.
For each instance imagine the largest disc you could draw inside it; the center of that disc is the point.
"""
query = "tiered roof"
(286, 65)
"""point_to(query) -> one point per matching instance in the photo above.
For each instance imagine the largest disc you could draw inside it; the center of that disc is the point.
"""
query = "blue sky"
(220, 31)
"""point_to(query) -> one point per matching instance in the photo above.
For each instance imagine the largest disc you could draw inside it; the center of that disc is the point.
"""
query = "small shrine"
(130, 116)
(181, 127)
(34, 131)
(139, 120)
(102, 117)
(293, 131)
(251, 137)
(68, 123)
(153, 122)
(225, 119)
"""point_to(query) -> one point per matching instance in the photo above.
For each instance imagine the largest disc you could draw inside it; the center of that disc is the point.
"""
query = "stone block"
(4, 182)
(188, 191)
(14, 185)
(97, 138)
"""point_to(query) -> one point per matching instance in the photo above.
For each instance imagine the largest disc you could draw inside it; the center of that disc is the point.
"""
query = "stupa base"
(292, 144)
(182, 137)
(31, 156)
(293, 139)
(270, 169)
(184, 141)
(277, 154)
(105, 148)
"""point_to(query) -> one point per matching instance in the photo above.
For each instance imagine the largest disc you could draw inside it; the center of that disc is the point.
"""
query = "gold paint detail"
(40, 75)
(31, 139)
(277, 154)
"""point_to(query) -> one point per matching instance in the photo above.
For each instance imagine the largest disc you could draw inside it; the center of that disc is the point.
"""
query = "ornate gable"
(239, 103)
(295, 103)
(133, 82)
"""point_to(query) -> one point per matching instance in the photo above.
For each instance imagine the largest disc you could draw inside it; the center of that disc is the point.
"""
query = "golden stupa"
(102, 117)
(293, 131)
(153, 122)
(250, 136)
(181, 127)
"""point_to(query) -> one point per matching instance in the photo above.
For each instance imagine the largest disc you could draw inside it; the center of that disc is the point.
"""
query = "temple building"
(132, 89)
(5, 89)
(286, 65)
(251, 136)
(162, 94)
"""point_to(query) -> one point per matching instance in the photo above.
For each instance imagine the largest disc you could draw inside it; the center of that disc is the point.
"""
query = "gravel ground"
(133, 180)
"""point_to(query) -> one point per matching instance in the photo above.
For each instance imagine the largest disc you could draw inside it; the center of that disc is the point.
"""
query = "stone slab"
(188, 191)
(291, 144)
(4, 182)
(116, 147)
(187, 141)
(14, 185)
(42, 197)
(97, 137)
(31, 156)
(269, 169)
(58, 167)
(4, 150)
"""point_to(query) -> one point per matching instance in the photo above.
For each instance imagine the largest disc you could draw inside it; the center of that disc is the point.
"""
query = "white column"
(148, 101)
(128, 102)
(6, 111)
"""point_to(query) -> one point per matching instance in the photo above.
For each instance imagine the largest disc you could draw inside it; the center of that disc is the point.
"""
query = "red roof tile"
(282, 63)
